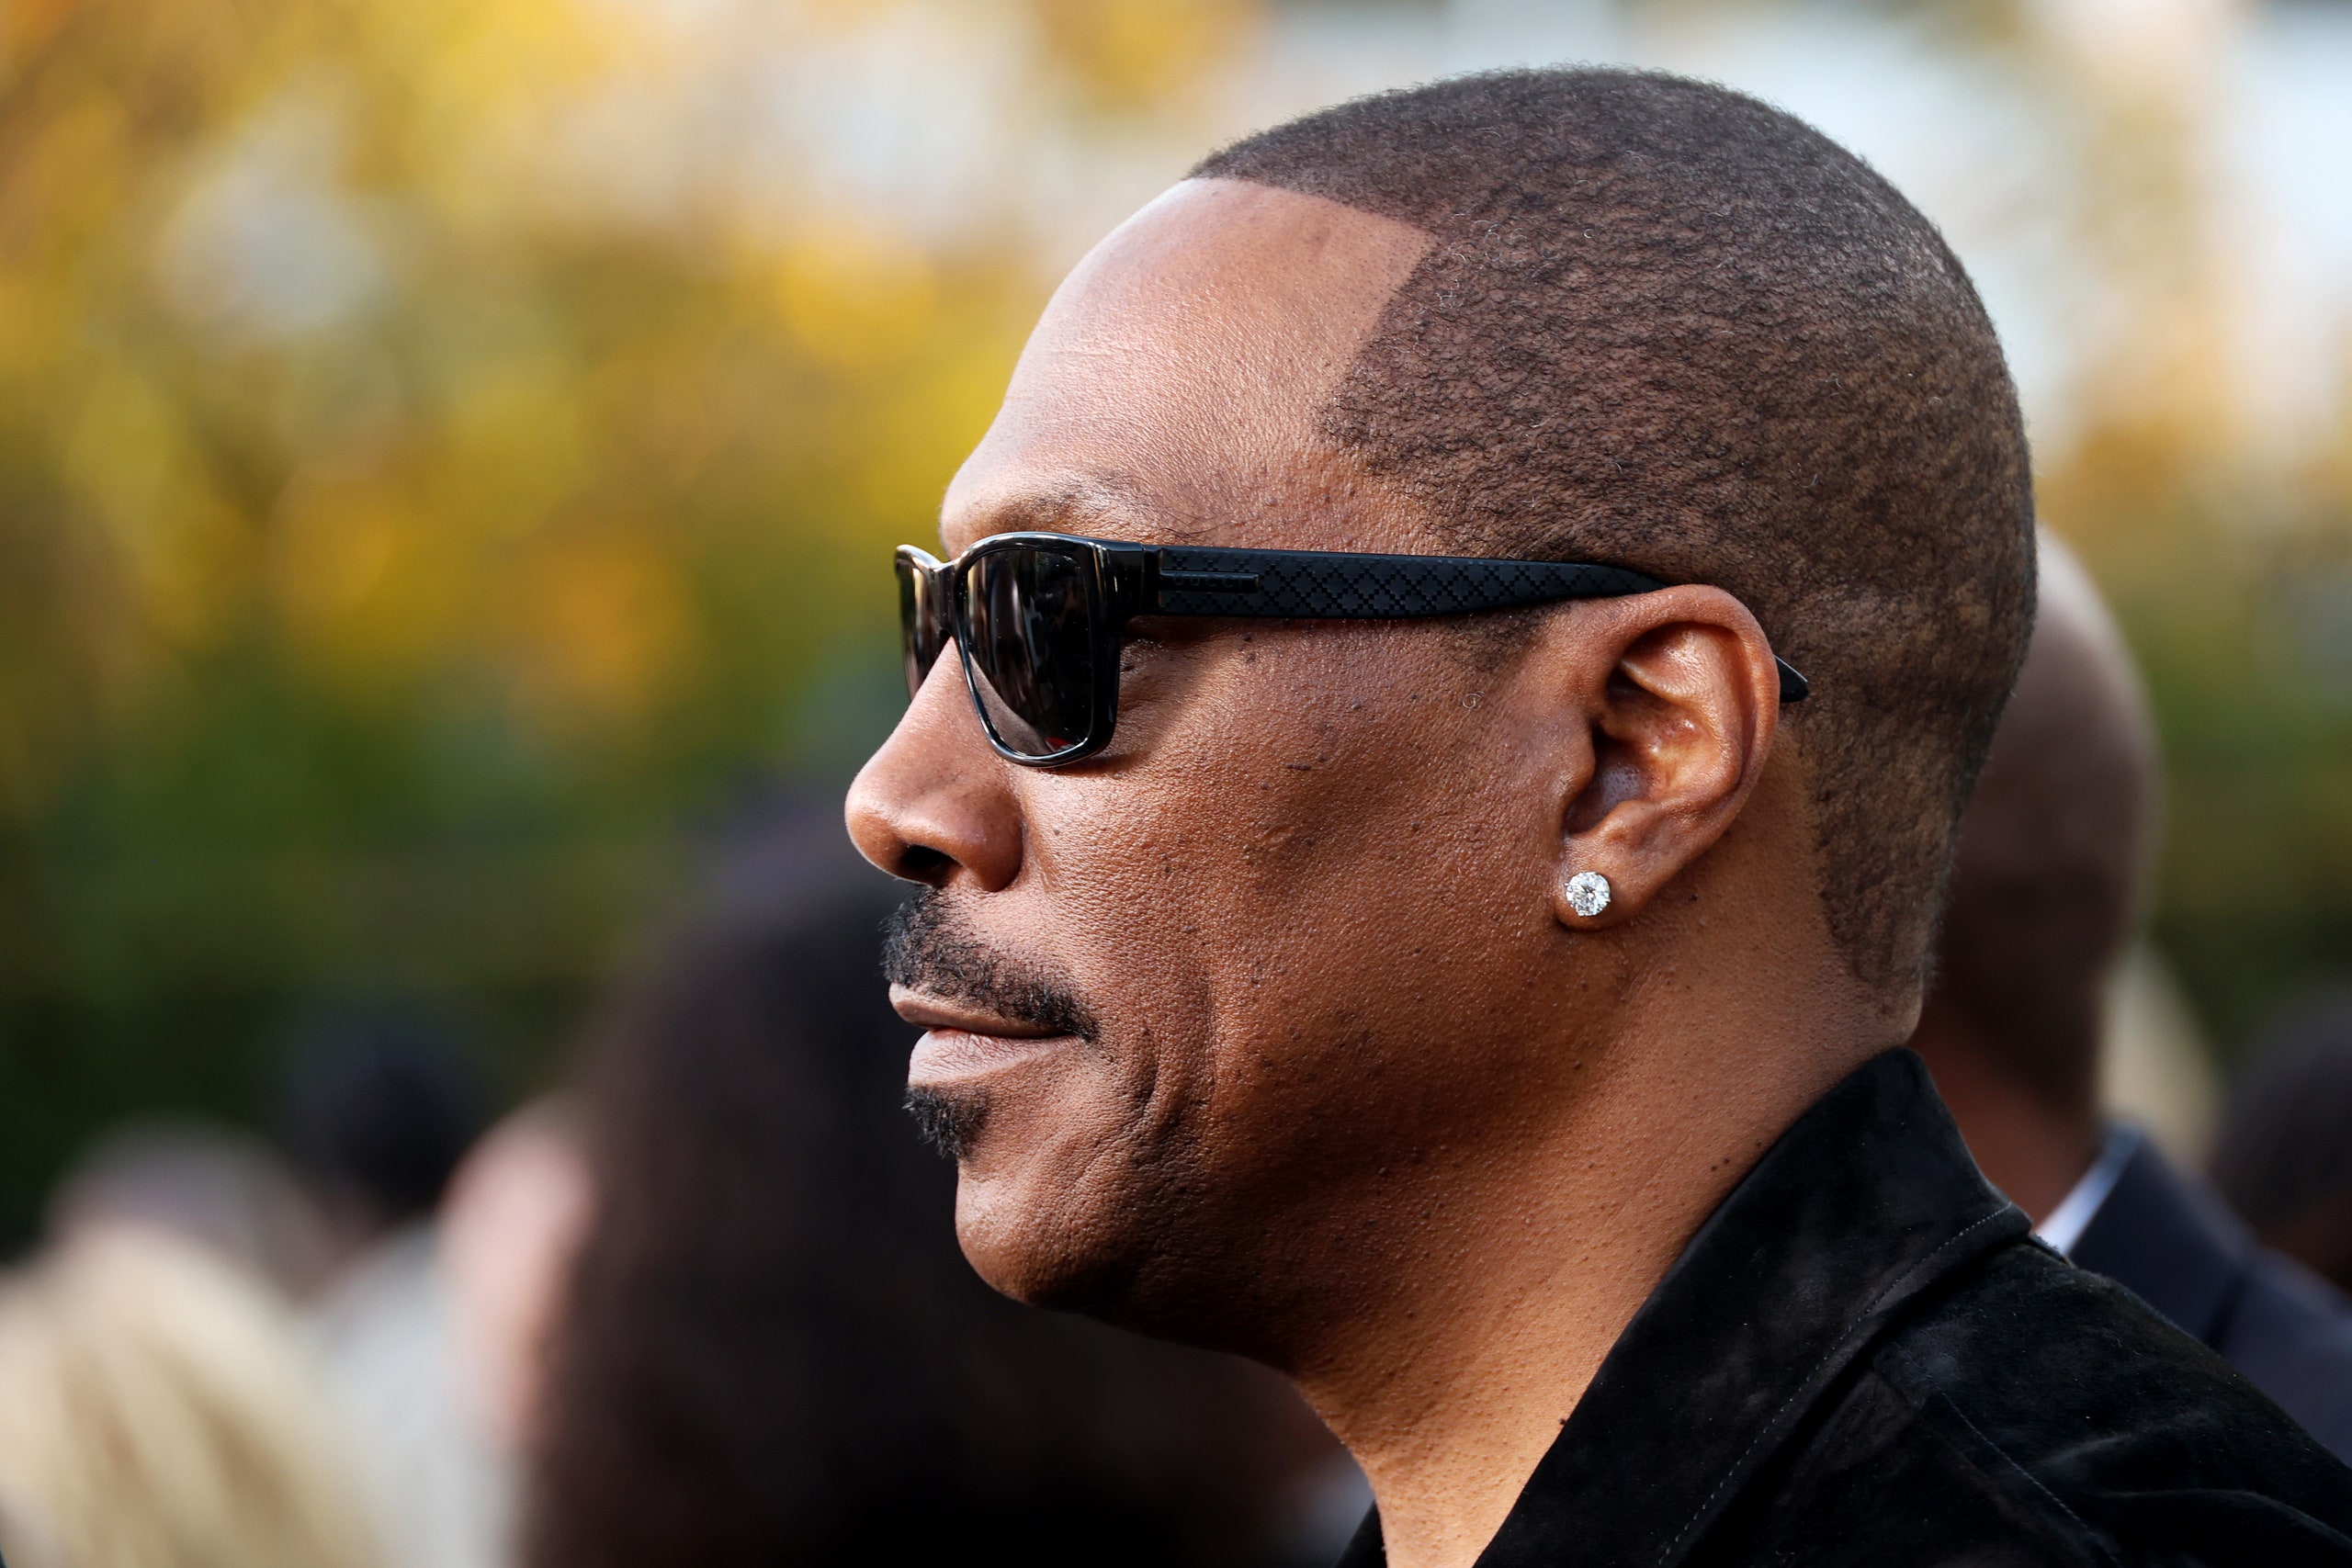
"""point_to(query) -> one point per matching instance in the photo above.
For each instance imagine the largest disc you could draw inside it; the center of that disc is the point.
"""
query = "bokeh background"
(448, 448)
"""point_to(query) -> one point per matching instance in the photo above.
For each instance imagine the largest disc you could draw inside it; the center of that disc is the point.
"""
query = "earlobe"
(1679, 726)
(1587, 900)
(1589, 893)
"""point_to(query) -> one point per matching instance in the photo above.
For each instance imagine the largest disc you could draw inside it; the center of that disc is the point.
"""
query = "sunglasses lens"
(1031, 643)
(921, 630)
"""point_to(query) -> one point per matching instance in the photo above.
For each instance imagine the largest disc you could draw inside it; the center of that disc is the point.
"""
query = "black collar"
(1868, 1200)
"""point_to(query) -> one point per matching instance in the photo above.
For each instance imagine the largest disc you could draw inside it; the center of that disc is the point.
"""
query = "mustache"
(928, 947)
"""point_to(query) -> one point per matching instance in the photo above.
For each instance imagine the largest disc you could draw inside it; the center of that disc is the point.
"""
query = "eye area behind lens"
(1031, 615)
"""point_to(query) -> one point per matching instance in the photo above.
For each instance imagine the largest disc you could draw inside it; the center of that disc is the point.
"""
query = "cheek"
(1050, 1187)
(1272, 811)
(1306, 875)
(1299, 915)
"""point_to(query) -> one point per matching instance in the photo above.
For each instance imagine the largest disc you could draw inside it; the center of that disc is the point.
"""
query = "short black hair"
(1667, 326)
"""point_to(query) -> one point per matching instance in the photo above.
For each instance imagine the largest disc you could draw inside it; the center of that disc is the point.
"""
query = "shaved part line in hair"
(1668, 327)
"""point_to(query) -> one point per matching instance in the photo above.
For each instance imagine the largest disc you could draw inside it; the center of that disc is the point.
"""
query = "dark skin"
(1363, 1096)
(2047, 886)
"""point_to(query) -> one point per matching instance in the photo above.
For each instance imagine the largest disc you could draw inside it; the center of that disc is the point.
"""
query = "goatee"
(948, 1122)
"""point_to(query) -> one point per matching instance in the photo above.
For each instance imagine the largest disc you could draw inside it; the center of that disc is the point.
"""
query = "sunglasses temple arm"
(1139, 580)
(1208, 591)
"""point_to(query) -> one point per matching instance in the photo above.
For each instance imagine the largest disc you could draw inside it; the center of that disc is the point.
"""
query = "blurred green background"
(448, 448)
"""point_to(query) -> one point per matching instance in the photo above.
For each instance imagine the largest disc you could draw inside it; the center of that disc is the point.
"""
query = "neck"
(2031, 1144)
(1530, 1260)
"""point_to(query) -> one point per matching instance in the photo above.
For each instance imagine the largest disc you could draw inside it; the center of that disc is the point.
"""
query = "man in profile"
(2048, 884)
(1391, 908)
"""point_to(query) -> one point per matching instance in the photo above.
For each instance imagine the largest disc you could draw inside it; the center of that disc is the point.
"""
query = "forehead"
(1177, 371)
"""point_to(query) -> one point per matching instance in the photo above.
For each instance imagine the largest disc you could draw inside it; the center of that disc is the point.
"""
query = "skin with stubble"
(2049, 883)
(1270, 1027)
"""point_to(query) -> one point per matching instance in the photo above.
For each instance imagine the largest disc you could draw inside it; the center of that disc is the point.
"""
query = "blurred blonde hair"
(156, 1411)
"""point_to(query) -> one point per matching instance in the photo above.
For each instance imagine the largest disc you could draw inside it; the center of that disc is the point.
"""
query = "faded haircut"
(1667, 326)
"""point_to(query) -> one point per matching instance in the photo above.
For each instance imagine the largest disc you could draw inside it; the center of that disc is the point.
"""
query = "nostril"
(920, 862)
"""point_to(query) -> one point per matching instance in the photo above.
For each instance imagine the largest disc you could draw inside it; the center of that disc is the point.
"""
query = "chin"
(1081, 1190)
(1049, 1191)
(1125, 1257)
(1040, 1246)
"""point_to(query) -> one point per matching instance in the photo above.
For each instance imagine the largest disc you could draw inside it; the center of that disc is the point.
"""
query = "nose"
(935, 804)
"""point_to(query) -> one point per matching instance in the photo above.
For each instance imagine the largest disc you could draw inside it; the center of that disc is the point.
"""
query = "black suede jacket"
(1863, 1357)
(2168, 1239)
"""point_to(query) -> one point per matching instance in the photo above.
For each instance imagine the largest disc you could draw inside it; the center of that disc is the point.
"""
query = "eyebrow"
(1077, 506)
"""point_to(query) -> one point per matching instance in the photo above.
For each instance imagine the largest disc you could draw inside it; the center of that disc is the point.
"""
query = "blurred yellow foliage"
(855, 295)
(602, 625)
(361, 578)
(306, 353)
(1131, 52)
(443, 443)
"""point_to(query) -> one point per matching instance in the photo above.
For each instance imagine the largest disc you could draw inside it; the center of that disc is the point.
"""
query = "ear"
(1677, 698)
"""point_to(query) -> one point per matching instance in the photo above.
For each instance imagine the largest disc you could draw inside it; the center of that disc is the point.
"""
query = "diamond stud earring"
(1587, 893)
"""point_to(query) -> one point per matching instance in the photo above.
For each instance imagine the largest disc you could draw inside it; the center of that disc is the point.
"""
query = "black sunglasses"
(1036, 617)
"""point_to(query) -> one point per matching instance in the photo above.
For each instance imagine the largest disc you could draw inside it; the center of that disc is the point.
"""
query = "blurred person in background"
(380, 1102)
(2284, 1157)
(775, 1352)
(216, 1187)
(157, 1411)
(510, 1229)
(2050, 884)
(381, 1105)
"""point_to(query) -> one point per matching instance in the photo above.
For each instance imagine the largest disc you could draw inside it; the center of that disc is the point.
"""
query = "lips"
(961, 1042)
(947, 1055)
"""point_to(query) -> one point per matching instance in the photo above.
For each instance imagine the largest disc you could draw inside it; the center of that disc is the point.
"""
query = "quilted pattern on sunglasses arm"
(1313, 585)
